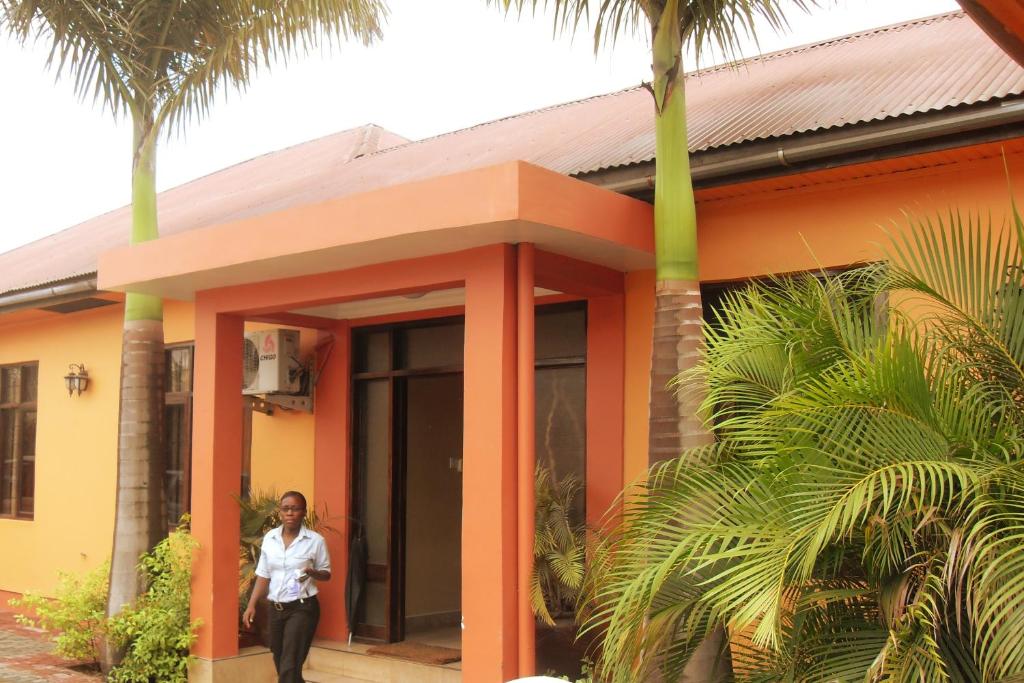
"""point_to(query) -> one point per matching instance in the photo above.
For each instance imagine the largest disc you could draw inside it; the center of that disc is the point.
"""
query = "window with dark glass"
(179, 361)
(18, 386)
(178, 432)
(560, 347)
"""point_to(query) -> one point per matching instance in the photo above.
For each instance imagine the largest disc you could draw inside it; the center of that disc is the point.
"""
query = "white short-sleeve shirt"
(279, 564)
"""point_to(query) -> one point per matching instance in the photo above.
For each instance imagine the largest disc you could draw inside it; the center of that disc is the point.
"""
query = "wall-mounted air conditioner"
(270, 362)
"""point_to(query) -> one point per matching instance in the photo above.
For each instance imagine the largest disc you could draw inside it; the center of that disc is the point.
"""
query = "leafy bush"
(860, 516)
(76, 615)
(586, 674)
(157, 633)
(559, 547)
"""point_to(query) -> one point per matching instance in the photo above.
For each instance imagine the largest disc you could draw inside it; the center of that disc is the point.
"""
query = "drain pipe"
(527, 456)
(714, 165)
(47, 294)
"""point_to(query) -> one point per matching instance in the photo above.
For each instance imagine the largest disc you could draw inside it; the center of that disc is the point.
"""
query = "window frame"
(20, 407)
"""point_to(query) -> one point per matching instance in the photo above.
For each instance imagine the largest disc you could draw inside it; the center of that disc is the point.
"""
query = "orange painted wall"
(781, 231)
(639, 336)
(840, 223)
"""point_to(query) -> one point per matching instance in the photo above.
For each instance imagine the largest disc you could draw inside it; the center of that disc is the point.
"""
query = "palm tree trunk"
(675, 422)
(139, 518)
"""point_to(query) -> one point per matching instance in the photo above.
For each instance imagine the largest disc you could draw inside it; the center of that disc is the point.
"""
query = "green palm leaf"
(861, 517)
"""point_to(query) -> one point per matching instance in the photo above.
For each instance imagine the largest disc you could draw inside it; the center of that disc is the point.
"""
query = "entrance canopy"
(508, 203)
(480, 244)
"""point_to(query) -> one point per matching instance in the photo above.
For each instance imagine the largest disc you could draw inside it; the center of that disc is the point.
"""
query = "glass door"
(386, 361)
(373, 488)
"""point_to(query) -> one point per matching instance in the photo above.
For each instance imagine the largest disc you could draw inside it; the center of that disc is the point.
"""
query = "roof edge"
(369, 131)
(992, 120)
(48, 293)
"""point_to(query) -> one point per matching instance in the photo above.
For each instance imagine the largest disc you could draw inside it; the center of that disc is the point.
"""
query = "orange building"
(467, 304)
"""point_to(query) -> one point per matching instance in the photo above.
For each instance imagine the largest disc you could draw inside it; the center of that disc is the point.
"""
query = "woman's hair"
(295, 494)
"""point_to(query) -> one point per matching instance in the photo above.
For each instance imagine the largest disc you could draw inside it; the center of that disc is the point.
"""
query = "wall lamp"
(77, 379)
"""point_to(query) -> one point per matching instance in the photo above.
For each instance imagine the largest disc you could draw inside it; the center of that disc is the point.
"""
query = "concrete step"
(328, 658)
(312, 676)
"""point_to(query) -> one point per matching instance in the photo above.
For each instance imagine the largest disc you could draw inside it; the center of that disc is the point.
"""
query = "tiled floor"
(26, 655)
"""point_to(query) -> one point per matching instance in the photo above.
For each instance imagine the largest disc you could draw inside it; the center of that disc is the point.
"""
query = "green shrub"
(559, 547)
(157, 633)
(75, 616)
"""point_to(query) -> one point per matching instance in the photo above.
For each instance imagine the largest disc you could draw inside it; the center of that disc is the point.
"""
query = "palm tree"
(860, 516)
(674, 24)
(160, 62)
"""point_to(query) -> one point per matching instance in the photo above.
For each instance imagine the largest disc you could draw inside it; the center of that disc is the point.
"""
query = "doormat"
(417, 652)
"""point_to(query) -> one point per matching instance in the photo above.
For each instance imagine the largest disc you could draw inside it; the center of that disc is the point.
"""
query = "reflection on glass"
(433, 514)
(9, 385)
(436, 346)
(174, 475)
(27, 478)
(560, 333)
(29, 380)
(372, 352)
(561, 429)
(27, 472)
(372, 466)
(28, 433)
(179, 370)
(7, 461)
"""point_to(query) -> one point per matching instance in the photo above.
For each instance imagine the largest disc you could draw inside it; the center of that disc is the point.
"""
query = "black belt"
(282, 606)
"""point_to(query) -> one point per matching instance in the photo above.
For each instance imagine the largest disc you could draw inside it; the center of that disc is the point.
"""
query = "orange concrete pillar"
(490, 650)
(527, 457)
(216, 477)
(332, 458)
(639, 342)
(606, 357)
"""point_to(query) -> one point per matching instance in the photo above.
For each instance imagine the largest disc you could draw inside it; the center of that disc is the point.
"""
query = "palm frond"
(703, 24)
(862, 514)
(166, 61)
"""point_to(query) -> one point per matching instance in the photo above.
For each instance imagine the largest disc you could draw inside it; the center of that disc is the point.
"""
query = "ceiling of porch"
(391, 305)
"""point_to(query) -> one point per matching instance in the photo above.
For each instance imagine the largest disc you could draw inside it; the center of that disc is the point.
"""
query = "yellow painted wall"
(76, 442)
(179, 322)
(282, 443)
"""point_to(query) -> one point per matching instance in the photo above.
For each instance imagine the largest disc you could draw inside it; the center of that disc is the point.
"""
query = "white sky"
(442, 65)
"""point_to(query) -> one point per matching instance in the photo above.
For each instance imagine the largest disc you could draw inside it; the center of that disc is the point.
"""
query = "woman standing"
(292, 560)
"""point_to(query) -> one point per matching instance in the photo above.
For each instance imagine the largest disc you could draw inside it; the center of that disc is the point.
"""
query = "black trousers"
(291, 633)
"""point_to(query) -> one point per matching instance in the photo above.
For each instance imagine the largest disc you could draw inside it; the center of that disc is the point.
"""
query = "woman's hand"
(259, 591)
(318, 574)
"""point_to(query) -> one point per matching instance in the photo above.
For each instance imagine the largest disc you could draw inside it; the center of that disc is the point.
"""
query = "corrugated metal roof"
(215, 198)
(921, 66)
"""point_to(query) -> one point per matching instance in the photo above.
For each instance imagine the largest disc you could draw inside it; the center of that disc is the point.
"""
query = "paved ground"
(26, 655)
